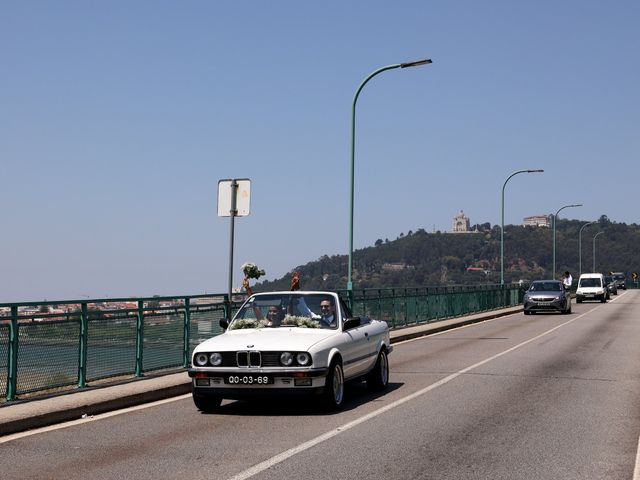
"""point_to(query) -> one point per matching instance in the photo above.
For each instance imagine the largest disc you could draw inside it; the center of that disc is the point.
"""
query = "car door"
(356, 351)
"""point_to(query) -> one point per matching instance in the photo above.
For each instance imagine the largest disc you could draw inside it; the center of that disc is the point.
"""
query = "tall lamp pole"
(353, 148)
(502, 224)
(580, 245)
(555, 220)
(594, 250)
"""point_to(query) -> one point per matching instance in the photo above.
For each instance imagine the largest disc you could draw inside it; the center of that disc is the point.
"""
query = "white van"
(591, 286)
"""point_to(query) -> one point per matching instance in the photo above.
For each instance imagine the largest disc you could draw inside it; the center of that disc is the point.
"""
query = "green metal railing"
(401, 307)
(62, 344)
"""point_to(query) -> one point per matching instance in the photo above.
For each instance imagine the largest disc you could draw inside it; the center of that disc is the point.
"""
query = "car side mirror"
(350, 323)
(224, 323)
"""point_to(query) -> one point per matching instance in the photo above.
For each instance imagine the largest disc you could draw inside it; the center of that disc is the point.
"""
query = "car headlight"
(286, 358)
(557, 298)
(303, 359)
(215, 359)
(200, 359)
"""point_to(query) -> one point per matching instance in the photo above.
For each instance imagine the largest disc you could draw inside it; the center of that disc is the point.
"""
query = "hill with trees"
(428, 259)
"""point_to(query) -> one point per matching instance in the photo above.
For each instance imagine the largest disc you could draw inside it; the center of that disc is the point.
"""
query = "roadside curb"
(67, 412)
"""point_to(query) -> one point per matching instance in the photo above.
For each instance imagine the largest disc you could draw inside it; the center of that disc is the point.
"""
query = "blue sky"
(119, 118)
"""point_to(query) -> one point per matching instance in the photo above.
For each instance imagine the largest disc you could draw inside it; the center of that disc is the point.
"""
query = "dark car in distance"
(547, 296)
(620, 279)
(610, 282)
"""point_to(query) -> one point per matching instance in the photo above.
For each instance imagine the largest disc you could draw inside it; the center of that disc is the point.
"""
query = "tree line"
(429, 259)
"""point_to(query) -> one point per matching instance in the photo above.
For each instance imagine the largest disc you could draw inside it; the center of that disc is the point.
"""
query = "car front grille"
(250, 359)
(542, 299)
(271, 359)
(229, 359)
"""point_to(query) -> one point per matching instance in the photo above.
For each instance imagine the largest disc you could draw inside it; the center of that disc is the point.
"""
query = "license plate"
(248, 379)
(589, 295)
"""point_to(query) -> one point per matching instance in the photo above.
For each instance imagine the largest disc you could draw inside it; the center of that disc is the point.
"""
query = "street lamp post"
(502, 224)
(580, 245)
(353, 143)
(594, 250)
(555, 220)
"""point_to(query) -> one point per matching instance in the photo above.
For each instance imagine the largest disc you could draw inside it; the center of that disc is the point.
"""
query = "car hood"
(282, 338)
(544, 294)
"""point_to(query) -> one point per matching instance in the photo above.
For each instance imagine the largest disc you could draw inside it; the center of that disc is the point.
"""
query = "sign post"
(234, 199)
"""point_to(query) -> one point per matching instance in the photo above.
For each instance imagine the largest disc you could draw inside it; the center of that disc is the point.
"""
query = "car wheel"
(378, 378)
(334, 386)
(578, 300)
(527, 312)
(206, 403)
(604, 299)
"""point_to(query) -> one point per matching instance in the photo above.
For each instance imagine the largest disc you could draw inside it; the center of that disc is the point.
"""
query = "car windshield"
(608, 279)
(590, 282)
(619, 277)
(545, 287)
(287, 310)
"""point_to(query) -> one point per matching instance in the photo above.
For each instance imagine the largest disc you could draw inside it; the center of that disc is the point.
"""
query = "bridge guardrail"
(62, 344)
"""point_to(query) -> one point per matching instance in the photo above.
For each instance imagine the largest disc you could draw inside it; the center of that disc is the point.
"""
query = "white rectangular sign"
(243, 197)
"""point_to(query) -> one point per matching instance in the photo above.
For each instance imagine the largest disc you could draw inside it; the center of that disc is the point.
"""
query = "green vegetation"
(429, 259)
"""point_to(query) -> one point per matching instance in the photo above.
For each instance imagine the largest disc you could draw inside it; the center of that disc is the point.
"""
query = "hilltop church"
(461, 224)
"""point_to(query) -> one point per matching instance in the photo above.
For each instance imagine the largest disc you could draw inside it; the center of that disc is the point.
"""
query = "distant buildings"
(537, 221)
(391, 267)
(461, 223)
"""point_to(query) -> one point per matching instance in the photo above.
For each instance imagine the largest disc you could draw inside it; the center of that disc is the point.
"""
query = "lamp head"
(417, 63)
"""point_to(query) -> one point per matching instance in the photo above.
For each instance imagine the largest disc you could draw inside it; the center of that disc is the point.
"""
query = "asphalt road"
(535, 397)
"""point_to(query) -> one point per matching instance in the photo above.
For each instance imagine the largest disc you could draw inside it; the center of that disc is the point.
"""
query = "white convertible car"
(290, 343)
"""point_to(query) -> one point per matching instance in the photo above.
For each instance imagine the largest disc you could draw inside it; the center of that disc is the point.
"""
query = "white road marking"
(636, 470)
(619, 295)
(91, 418)
(260, 467)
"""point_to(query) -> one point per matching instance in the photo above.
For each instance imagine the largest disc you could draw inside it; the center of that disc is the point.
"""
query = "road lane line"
(636, 470)
(260, 467)
(619, 295)
(90, 418)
